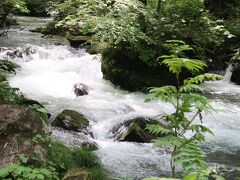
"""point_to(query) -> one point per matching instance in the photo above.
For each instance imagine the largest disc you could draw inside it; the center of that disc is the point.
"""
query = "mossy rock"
(76, 41)
(134, 130)
(78, 174)
(71, 120)
(19, 125)
(131, 73)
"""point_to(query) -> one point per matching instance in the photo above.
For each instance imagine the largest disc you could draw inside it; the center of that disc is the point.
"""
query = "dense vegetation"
(133, 34)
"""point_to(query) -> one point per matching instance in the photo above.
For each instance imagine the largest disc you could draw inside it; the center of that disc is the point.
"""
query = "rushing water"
(49, 76)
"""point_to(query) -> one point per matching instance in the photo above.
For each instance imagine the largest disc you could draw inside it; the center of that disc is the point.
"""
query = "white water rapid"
(49, 76)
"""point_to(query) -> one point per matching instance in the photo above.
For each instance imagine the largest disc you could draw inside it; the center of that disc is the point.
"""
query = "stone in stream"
(71, 120)
(74, 139)
(12, 53)
(18, 125)
(133, 130)
(80, 89)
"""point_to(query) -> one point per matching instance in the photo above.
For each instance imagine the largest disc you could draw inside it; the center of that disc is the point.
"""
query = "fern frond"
(176, 65)
(190, 156)
(165, 93)
(200, 128)
(187, 88)
(201, 78)
(168, 141)
(158, 130)
(197, 101)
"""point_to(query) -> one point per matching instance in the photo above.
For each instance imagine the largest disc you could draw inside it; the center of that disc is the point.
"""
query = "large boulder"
(125, 69)
(17, 126)
(71, 120)
(78, 174)
(134, 130)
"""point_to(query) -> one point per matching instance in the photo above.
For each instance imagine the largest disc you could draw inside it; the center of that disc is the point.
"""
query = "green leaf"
(168, 141)
(157, 129)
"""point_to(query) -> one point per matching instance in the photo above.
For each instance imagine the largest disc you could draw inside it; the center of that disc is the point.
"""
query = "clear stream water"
(49, 76)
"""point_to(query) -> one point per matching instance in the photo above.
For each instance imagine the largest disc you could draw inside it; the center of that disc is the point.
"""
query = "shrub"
(185, 98)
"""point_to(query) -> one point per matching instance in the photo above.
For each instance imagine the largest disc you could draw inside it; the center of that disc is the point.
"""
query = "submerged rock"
(78, 174)
(134, 130)
(18, 125)
(80, 89)
(71, 120)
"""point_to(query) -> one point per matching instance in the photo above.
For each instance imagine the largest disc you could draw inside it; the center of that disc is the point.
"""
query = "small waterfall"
(228, 74)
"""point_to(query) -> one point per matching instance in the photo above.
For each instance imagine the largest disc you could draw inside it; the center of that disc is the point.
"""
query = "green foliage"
(10, 95)
(59, 160)
(10, 6)
(61, 156)
(72, 15)
(206, 175)
(236, 55)
(185, 99)
(86, 159)
(38, 8)
(64, 158)
(98, 173)
(7, 66)
(18, 171)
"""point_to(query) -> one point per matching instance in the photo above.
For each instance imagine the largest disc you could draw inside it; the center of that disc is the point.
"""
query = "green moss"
(76, 122)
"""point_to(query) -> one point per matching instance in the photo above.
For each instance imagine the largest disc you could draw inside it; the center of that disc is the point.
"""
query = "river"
(49, 75)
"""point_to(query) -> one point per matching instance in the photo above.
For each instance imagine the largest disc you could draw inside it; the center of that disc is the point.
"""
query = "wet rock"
(11, 53)
(76, 41)
(80, 89)
(236, 74)
(71, 120)
(36, 30)
(18, 125)
(133, 130)
(74, 139)
(78, 174)
(229, 172)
